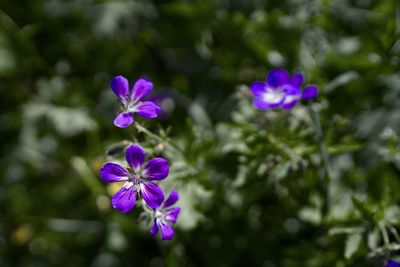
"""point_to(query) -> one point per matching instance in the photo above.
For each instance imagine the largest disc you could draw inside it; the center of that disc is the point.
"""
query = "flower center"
(158, 214)
(133, 180)
(131, 105)
(274, 95)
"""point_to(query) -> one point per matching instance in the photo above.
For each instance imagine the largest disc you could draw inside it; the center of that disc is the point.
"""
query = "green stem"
(148, 133)
(325, 174)
(385, 234)
(169, 145)
(165, 142)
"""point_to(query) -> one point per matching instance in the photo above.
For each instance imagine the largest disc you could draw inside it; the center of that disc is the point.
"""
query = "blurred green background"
(248, 179)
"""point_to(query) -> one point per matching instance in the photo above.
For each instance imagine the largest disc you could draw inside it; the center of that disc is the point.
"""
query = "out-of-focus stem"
(150, 134)
(325, 174)
(385, 234)
(155, 137)
(169, 145)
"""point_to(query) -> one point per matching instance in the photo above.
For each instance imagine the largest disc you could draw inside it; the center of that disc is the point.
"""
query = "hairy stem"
(168, 144)
(165, 142)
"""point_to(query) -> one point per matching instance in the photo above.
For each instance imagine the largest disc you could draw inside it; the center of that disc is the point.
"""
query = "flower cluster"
(281, 90)
(140, 178)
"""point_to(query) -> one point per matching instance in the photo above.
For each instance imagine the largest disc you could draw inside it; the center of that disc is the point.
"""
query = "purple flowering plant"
(140, 178)
(281, 90)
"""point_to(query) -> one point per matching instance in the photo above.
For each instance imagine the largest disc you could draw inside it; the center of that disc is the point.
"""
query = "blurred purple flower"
(139, 179)
(281, 90)
(131, 100)
(392, 263)
(165, 101)
(165, 216)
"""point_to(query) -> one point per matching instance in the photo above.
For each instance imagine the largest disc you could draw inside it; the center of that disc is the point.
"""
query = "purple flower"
(392, 263)
(131, 100)
(165, 216)
(139, 179)
(281, 90)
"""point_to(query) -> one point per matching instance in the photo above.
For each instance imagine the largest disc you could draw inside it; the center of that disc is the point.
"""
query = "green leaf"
(345, 230)
(340, 80)
(311, 215)
(373, 239)
(352, 245)
(87, 176)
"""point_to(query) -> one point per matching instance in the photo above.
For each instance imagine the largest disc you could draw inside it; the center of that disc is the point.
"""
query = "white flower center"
(131, 106)
(273, 96)
(158, 214)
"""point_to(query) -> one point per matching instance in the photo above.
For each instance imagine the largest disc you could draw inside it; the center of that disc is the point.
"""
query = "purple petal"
(261, 104)
(172, 214)
(120, 87)
(310, 92)
(297, 80)
(156, 169)
(152, 194)
(290, 105)
(392, 263)
(276, 78)
(147, 110)
(293, 95)
(167, 232)
(172, 199)
(124, 200)
(154, 229)
(135, 156)
(112, 172)
(123, 120)
(291, 90)
(258, 88)
(141, 88)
